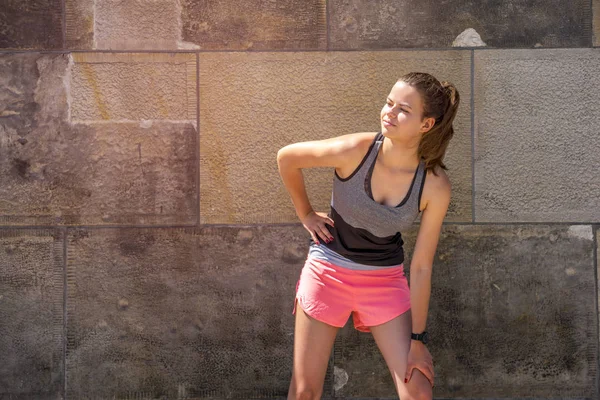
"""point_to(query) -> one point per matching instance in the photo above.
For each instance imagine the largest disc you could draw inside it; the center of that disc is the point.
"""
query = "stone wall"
(148, 248)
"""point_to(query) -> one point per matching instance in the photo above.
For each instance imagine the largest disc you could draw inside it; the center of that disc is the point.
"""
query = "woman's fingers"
(324, 233)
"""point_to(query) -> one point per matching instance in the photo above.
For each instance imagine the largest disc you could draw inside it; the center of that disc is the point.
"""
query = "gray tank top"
(366, 232)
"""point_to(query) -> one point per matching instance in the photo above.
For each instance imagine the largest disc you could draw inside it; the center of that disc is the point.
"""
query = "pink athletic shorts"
(330, 293)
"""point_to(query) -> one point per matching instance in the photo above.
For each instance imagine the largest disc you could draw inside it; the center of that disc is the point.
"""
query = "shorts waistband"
(325, 253)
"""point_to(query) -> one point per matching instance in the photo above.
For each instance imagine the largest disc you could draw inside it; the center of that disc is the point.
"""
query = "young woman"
(382, 181)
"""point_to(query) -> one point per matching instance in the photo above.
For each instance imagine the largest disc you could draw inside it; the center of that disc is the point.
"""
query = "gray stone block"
(55, 171)
(31, 314)
(174, 312)
(389, 24)
(31, 24)
(512, 315)
(536, 135)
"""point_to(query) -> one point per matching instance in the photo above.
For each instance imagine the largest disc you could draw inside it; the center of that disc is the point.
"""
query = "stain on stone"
(294, 253)
(132, 244)
(21, 167)
(123, 304)
(31, 24)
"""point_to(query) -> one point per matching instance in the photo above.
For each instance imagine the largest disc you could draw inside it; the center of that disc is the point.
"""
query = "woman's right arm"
(335, 152)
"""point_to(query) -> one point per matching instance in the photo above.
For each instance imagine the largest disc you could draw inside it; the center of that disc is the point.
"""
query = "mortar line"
(595, 261)
(289, 50)
(198, 220)
(275, 224)
(473, 136)
(65, 236)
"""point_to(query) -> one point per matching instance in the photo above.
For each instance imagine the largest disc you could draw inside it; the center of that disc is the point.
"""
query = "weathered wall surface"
(148, 248)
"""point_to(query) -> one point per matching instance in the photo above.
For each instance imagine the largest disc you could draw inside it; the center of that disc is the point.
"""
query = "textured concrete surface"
(536, 135)
(387, 24)
(31, 24)
(252, 104)
(31, 314)
(136, 24)
(288, 24)
(132, 86)
(170, 312)
(512, 315)
(53, 171)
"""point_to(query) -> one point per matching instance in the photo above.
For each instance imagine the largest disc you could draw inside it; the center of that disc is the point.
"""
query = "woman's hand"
(420, 358)
(314, 222)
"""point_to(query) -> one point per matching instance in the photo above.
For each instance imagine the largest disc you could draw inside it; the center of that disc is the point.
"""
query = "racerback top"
(368, 234)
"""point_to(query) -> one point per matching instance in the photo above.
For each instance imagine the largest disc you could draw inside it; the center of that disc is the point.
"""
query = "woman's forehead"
(403, 93)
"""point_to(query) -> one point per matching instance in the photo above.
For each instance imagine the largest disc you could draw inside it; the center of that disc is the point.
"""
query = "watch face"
(425, 338)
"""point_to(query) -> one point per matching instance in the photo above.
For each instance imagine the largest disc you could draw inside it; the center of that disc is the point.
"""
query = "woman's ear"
(429, 122)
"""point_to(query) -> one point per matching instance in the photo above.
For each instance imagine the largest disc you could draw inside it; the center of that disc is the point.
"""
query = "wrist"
(422, 337)
(306, 212)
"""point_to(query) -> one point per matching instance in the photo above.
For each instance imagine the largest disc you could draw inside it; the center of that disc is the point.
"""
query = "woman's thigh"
(393, 340)
(313, 341)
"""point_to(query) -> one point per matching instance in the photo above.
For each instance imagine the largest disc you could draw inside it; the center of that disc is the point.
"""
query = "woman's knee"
(418, 394)
(308, 393)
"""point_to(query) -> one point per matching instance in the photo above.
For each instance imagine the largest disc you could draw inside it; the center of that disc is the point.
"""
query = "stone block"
(596, 23)
(54, 170)
(31, 24)
(388, 24)
(536, 135)
(79, 26)
(138, 24)
(129, 86)
(182, 312)
(511, 315)
(31, 314)
(264, 25)
(252, 104)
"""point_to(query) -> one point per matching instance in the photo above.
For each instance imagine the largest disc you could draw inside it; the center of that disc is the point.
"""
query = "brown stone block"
(388, 24)
(512, 314)
(182, 312)
(262, 25)
(31, 314)
(252, 104)
(536, 135)
(55, 172)
(129, 86)
(31, 24)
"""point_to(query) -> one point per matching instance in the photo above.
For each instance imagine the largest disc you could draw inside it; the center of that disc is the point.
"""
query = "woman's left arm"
(438, 199)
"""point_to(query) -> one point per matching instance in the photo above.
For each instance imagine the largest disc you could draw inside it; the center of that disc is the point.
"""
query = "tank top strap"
(417, 189)
(374, 149)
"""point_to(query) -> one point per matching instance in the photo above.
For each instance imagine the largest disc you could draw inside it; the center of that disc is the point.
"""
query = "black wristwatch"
(423, 337)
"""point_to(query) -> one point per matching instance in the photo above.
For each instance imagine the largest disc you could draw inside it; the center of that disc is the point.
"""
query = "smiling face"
(401, 114)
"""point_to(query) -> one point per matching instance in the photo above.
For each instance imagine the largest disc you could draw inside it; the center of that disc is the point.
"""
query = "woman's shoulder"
(358, 139)
(438, 177)
(437, 186)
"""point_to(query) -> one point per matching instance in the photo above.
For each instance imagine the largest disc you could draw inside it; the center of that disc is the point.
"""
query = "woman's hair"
(440, 101)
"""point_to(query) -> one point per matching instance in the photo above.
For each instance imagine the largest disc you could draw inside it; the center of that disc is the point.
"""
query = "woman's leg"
(313, 341)
(393, 340)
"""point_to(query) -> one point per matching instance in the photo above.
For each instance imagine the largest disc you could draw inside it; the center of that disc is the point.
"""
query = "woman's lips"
(386, 123)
